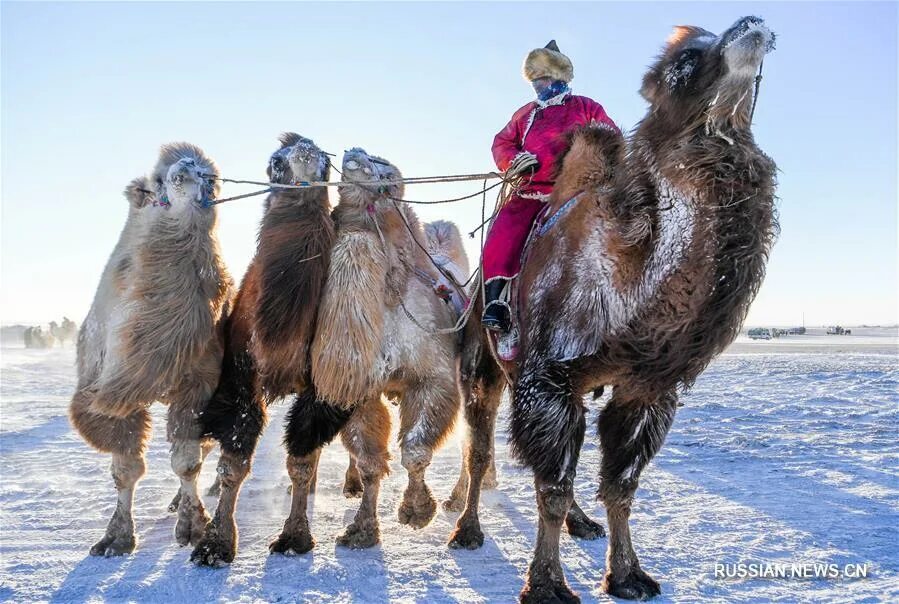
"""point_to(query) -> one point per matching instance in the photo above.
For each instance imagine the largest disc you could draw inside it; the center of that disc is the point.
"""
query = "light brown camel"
(154, 332)
(368, 346)
(270, 331)
(642, 272)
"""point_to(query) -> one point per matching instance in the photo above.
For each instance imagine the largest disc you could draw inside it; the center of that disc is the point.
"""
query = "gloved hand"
(523, 163)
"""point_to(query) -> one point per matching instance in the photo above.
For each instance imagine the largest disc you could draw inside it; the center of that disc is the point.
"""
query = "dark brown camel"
(270, 329)
(641, 281)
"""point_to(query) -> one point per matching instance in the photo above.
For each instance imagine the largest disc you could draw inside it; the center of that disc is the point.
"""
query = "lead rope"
(758, 84)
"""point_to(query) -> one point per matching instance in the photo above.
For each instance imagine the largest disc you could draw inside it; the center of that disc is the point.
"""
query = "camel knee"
(127, 470)
(301, 470)
(554, 501)
(233, 469)
(416, 459)
(187, 459)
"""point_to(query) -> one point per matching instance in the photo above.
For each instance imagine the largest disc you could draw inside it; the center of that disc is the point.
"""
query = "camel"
(368, 346)
(154, 333)
(642, 272)
(269, 332)
(65, 332)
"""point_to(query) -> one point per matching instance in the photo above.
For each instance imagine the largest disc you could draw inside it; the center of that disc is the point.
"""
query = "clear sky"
(90, 91)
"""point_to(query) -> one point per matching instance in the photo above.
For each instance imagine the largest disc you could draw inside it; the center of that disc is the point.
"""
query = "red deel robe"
(539, 128)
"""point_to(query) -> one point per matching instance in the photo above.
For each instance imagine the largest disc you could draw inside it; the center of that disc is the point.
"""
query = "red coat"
(540, 130)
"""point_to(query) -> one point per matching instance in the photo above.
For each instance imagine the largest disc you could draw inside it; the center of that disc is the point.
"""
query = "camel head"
(138, 193)
(707, 79)
(298, 160)
(360, 167)
(184, 177)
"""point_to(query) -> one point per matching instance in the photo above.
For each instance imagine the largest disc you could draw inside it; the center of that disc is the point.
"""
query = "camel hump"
(445, 245)
(594, 151)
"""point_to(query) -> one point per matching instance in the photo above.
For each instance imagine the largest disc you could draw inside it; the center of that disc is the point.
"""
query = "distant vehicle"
(836, 330)
(759, 333)
(796, 331)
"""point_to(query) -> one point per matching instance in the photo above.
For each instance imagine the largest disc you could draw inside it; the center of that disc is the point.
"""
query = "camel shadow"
(39, 436)
(282, 573)
(767, 486)
(502, 580)
(86, 578)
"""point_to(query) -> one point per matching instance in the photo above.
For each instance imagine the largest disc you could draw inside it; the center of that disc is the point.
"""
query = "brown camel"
(368, 345)
(154, 332)
(270, 331)
(642, 272)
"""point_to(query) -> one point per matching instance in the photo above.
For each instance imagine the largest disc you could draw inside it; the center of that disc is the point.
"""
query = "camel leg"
(631, 433)
(547, 431)
(365, 436)
(352, 483)
(186, 403)
(295, 537)
(213, 491)
(311, 424)
(481, 404)
(427, 413)
(126, 439)
(235, 417)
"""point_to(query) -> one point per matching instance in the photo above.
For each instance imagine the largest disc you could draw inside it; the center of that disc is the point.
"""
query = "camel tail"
(445, 246)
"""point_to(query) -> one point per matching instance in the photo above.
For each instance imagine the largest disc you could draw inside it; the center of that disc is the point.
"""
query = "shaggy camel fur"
(154, 332)
(365, 347)
(270, 331)
(644, 279)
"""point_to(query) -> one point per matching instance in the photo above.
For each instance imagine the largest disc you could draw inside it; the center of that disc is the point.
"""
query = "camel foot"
(582, 527)
(114, 545)
(293, 543)
(547, 592)
(213, 550)
(489, 482)
(358, 536)
(418, 509)
(467, 537)
(352, 488)
(191, 524)
(635, 585)
(455, 503)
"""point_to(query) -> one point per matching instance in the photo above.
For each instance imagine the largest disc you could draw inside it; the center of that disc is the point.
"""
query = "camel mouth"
(186, 181)
(358, 166)
(748, 36)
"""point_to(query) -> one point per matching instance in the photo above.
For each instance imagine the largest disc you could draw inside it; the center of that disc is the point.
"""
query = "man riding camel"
(527, 148)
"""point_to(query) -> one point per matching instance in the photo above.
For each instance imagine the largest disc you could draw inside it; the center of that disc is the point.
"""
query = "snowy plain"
(784, 451)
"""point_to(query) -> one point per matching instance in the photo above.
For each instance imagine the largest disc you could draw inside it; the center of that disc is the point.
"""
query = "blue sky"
(90, 91)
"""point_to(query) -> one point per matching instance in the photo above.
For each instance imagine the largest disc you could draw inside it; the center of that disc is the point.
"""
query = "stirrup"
(496, 316)
(507, 344)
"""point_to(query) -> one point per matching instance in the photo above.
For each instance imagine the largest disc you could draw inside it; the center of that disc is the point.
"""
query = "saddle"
(507, 343)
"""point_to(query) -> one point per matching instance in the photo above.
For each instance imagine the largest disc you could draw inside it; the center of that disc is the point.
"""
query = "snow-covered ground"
(785, 451)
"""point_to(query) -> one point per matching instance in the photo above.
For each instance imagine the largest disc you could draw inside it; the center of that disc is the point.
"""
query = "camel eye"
(679, 73)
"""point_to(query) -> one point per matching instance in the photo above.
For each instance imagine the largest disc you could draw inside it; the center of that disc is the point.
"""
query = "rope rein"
(755, 96)
(422, 180)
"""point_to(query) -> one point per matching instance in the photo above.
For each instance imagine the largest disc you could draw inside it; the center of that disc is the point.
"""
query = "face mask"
(548, 89)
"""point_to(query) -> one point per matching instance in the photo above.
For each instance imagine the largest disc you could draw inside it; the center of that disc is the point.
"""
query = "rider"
(528, 147)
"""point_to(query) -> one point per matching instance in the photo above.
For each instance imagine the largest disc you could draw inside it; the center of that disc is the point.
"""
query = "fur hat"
(547, 62)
